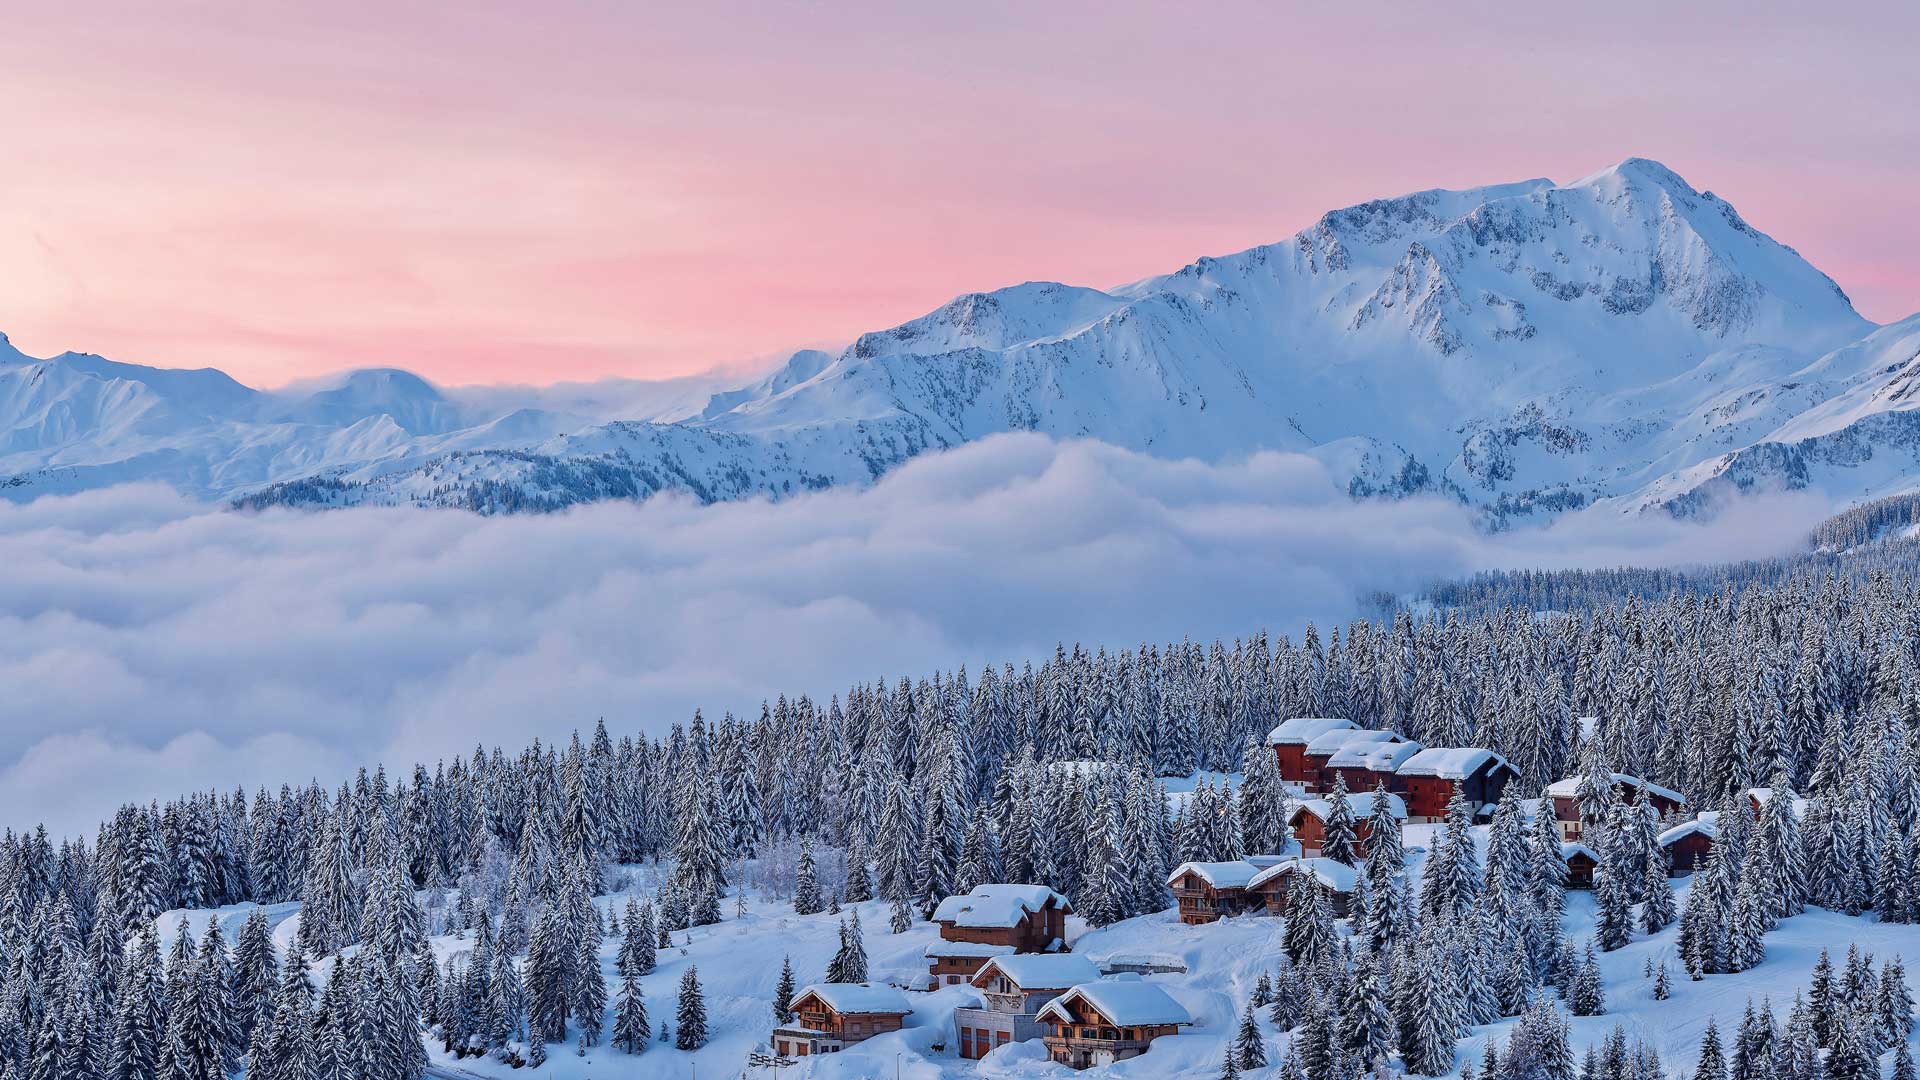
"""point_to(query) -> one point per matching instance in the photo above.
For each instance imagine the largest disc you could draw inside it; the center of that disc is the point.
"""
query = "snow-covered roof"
(1376, 756)
(1039, 971)
(858, 998)
(997, 906)
(1361, 802)
(944, 947)
(1335, 875)
(1332, 741)
(1220, 875)
(1261, 862)
(1763, 796)
(1708, 829)
(1569, 849)
(1302, 730)
(1570, 786)
(1449, 762)
(1125, 1000)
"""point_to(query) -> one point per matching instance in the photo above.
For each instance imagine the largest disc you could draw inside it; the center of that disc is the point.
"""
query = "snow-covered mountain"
(1526, 347)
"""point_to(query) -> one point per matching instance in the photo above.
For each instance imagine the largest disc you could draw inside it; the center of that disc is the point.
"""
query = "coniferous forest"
(917, 787)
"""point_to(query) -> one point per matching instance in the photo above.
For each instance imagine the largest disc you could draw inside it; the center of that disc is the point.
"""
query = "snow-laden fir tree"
(807, 897)
(1263, 803)
(1338, 841)
(1450, 882)
(590, 1000)
(638, 948)
(1366, 1022)
(783, 993)
(631, 1030)
(690, 1015)
(1588, 997)
(859, 885)
(1249, 1046)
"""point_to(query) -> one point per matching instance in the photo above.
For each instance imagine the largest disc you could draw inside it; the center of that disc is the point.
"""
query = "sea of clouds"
(151, 645)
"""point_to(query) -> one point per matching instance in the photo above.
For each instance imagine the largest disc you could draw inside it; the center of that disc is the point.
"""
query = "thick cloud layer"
(149, 645)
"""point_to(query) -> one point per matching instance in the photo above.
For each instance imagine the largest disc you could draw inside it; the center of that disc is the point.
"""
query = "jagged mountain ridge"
(1525, 347)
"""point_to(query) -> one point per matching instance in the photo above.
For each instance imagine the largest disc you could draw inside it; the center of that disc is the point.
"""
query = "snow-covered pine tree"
(1366, 1022)
(859, 885)
(690, 1016)
(1249, 1046)
(783, 993)
(256, 975)
(590, 994)
(1262, 801)
(1426, 1026)
(1337, 842)
(631, 1030)
(900, 915)
(1308, 937)
(1657, 913)
(1450, 882)
(807, 897)
(139, 1016)
(1588, 997)
(549, 975)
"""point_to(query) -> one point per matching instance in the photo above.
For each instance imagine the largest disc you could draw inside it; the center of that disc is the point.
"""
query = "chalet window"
(1109, 1033)
(966, 1043)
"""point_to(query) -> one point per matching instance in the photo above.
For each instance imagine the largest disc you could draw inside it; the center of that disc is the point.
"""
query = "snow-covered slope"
(1525, 347)
(739, 959)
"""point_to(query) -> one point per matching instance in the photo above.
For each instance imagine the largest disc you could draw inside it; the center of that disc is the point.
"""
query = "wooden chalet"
(1565, 794)
(1687, 845)
(1013, 989)
(1427, 781)
(1274, 885)
(1310, 817)
(1581, 863)
(829, 1017)
(1759, 797)
(1289, 741)
(1109, 1020)
(995, 920)
(1206, 891)
(1320, 752)
(1367, 765)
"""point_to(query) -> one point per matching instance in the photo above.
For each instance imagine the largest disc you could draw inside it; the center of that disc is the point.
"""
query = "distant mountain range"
(1526, 348)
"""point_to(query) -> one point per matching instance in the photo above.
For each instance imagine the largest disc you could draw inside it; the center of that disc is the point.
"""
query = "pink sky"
(527, 193)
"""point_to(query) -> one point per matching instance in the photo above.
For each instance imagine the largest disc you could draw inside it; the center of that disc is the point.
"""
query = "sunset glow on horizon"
(283, 190)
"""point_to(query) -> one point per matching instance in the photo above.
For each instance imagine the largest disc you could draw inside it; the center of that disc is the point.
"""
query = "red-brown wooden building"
(1013, 989)
(1274, 885)
(1565, 794)
(829, 1017)
(1113, 1019)
(1321, 751)
(1207, 891)
(1289, 741)
(995, 920)
(1309, 819)
(1687, 845)
(1581, 863)
(1427, 781)
(1367, 765)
